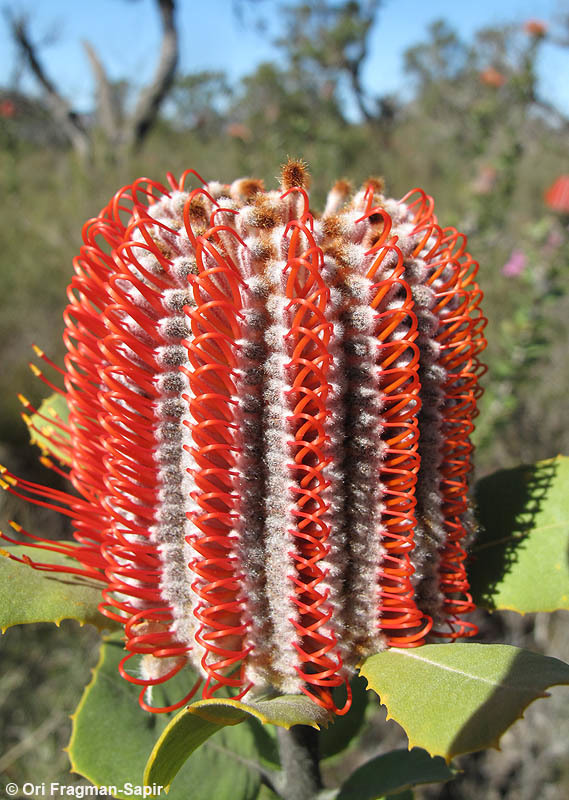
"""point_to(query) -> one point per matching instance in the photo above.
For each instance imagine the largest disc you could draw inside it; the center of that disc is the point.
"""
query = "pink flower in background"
(238, 131)
(485, 180)
(515, 265)
(554, 240)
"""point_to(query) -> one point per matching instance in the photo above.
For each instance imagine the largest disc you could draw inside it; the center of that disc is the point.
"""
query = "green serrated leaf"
(112, 737)
(196, 723)
(29, 595)
(45, 434)
(394, 773)
(520, 561)
(459, 698)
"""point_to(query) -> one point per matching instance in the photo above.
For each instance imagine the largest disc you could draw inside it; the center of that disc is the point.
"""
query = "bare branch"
(151, 96)
(60, 108)
(552, 111)
(353, 69)
(107, 112)
(354, 63)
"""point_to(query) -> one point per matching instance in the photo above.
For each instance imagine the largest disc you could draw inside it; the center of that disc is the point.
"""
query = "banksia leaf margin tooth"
(269, 430)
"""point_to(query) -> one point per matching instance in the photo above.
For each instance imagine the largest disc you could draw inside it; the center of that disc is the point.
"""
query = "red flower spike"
(492, 77)
(557, 196)
(269, 430)
(536, 27)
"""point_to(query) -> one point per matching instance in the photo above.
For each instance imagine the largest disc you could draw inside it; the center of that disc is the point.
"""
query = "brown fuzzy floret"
(249, 187)
(264, 248)
(376, 183)
(342, 187)
(332, 227)
(198, 211)
(264, 215)
(294, 174)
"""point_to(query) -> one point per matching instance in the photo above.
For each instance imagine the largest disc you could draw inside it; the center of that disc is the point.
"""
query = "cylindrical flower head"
(270, 419)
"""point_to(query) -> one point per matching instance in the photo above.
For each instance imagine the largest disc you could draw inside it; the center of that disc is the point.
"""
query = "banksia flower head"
(492, 77)
(269, 429)
(557, 196)
(536, 27)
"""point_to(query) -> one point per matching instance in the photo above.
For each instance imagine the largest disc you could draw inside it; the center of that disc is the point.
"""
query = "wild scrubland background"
(471, 129)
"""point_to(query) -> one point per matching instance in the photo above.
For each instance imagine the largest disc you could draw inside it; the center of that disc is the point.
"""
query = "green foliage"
(44, 430)
(460, 698)
(528, 337)
(442, 58)
(199, 100)
(198, 721)
(393, 773)
(495, 683)
(521, 560)
(112, 738)
(29, 595)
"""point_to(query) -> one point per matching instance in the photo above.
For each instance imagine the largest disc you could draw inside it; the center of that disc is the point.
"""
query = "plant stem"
(298, 748)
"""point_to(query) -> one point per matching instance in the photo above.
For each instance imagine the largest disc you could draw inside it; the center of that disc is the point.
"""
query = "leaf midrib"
(520, 537)
(467, 675)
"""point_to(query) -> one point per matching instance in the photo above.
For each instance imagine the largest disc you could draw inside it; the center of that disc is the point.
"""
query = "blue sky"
(126, 35)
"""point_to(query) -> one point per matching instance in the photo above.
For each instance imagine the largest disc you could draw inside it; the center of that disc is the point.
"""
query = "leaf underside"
(196, 723)
(521, 559)
(459, 698)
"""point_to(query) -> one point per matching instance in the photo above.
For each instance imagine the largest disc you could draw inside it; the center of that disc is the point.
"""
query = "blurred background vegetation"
(473, 131)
